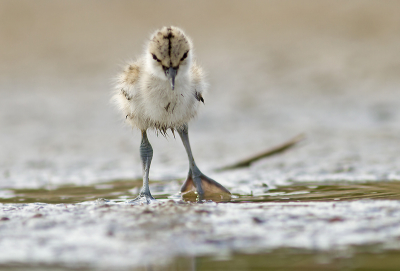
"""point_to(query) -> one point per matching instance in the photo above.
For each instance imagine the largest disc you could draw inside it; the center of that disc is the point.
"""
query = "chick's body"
(145, 95)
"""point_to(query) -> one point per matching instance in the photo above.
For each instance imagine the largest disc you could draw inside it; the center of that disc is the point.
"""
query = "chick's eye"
(155, 58)
(184, 56)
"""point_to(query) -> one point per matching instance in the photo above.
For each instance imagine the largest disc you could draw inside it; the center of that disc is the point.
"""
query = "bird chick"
(160, 91)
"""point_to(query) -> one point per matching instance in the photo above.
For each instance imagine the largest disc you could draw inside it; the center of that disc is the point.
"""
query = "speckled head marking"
(169, 46)
(170, 50)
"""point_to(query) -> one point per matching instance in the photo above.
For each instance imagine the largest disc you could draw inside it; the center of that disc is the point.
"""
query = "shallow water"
(121, 190)
(293, 227)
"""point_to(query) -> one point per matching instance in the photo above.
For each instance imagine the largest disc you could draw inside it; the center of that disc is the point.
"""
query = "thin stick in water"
(275, 150)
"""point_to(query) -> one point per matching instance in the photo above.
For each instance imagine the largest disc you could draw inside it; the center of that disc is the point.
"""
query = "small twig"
(280, 148)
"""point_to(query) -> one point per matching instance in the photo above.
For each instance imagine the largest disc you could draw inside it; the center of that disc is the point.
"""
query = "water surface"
(120, 190)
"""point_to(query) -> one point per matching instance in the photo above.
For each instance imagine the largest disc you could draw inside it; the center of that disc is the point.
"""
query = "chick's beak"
(171, 73)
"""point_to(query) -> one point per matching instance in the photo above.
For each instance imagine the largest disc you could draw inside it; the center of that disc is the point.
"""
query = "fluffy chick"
(148, 92)
(162, 90)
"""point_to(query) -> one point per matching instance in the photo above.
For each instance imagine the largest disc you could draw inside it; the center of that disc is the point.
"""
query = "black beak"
(171, 73)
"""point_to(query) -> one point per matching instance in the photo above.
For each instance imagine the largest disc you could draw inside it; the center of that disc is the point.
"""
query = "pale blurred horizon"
(46, 38)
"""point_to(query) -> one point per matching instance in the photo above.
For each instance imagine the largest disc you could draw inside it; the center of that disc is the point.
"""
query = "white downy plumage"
(144, 93)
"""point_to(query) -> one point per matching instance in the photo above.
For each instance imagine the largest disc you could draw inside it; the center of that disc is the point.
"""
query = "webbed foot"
(204, 188)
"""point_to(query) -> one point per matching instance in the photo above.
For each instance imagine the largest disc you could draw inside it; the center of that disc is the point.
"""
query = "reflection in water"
(120, 190)
(73, 194)
(192, 196)
(328, 192)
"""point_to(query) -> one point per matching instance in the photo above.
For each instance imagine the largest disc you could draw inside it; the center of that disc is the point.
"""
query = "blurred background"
(329, 69)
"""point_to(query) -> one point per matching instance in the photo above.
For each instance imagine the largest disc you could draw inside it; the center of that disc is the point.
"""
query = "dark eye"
(184, 56)
(155, 58)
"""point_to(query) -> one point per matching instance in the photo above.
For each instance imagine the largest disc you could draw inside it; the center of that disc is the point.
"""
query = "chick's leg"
(146, 154)
(196, 179)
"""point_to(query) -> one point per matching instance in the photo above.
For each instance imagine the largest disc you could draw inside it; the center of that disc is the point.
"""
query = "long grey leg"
(194, 171)
(146, 154)
(205, 186)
